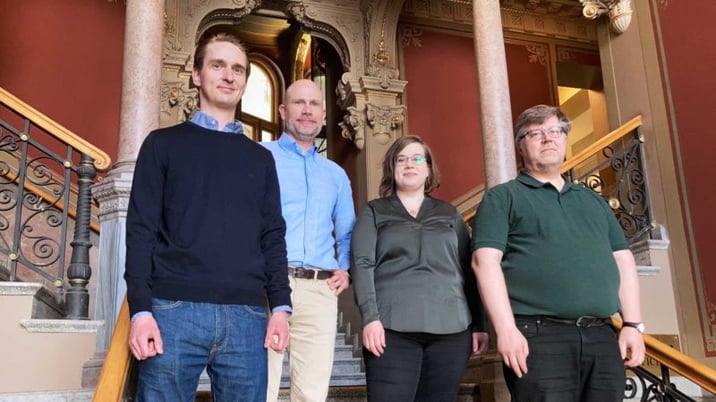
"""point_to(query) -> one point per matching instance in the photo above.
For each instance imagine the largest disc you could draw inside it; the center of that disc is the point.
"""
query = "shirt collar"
(202, 119)
(290, 145)
(528, 180)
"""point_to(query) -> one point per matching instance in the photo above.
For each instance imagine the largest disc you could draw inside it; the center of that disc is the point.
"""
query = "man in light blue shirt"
(317, 205)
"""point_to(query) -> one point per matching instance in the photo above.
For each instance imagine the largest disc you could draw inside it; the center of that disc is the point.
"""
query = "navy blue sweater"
(204, 221)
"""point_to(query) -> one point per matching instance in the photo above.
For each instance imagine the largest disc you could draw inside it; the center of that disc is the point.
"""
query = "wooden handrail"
(598, 145)
(102, 161)
(697, 372)
(115, 370)
(587, 153)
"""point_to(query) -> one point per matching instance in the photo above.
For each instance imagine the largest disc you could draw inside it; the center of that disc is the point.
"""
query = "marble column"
(497, 139)
(495, 110)
(141, 82)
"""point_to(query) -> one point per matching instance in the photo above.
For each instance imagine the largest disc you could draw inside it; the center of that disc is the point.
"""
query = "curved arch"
(221, 16)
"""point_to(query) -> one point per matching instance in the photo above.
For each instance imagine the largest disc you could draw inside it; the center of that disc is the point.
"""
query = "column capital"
(112, 195)
(618, 11)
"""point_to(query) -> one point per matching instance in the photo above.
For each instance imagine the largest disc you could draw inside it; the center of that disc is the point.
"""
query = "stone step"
(82, 395)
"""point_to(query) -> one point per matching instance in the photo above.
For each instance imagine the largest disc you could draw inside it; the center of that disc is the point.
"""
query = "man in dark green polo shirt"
(552, 266)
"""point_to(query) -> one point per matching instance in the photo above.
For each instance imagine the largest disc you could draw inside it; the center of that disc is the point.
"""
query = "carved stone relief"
(177, 102)
(352, 127)
(385, 121)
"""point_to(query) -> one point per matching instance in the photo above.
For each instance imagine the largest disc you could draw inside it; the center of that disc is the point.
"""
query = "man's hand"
(631, 345)
(144, 338)
(512, 346)
(480, 342)
(339, 282)
(374, 337)
(277, 332)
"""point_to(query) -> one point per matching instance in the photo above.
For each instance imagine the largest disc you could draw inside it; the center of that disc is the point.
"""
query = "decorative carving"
(381, 67)
(411, 36)
(384, 120)
(538, 54)
(307, 18)
(174, 95)
(353, 125)
(618, 11)
(344, 91)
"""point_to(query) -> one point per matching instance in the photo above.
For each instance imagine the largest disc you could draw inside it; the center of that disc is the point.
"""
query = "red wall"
(529, 76)
(443, 105)
(64, 58)
(443, 108)
(691, 61)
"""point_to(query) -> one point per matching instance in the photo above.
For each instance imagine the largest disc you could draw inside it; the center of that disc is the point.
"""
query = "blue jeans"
(567, 363)
(226, 339)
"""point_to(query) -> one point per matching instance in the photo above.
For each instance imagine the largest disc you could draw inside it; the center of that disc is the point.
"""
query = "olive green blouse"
(413, 274)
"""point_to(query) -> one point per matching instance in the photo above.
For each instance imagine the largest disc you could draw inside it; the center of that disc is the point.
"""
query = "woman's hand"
(374, 337)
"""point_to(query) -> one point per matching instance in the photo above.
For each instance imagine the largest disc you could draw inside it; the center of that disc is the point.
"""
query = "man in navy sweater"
(206, 247)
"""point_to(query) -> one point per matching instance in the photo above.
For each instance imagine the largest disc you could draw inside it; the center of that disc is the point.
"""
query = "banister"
(588, 152)
(115, 370)
(102, 161)
(697, 372)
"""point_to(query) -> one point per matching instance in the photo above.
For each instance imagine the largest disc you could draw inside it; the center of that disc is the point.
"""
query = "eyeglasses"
(552, 132)
(416, 159)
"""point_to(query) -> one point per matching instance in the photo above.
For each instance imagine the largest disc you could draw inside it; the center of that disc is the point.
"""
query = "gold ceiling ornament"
(382, 57)
(618, 11)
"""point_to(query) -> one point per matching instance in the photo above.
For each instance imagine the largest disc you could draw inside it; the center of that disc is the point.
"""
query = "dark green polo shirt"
(557, 247)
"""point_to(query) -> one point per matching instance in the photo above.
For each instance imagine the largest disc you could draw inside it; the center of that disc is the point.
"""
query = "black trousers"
(567, 363)
(417, 366)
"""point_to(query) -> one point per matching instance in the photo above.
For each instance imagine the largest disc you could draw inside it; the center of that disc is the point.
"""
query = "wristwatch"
(638, 325)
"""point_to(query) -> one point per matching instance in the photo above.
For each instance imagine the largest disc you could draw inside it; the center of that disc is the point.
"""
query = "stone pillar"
(495, 112)
(497, 141)
(141, 80)
(374, 123)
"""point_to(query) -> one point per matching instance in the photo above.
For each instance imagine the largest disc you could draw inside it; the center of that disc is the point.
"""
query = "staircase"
(347, 379)
(55, 349)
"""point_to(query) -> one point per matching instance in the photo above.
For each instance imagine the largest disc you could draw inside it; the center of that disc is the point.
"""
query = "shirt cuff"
(276, 309)
(140, 314)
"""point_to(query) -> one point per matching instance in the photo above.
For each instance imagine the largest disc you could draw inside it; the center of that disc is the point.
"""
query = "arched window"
(258, 110)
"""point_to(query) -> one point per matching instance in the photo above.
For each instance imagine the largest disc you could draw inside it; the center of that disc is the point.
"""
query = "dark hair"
(387, 183)
(537, 115)
(220, 36)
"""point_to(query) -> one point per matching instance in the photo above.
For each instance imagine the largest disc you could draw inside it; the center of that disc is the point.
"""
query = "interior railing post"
(79, 271)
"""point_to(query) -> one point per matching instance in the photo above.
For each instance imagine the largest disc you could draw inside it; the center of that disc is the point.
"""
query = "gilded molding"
(385, 121)
(381, 67)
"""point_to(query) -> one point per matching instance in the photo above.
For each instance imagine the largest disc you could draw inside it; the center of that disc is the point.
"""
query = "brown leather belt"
(309, 273)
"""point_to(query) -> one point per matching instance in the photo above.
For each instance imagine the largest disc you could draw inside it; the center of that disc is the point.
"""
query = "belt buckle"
(586, 321)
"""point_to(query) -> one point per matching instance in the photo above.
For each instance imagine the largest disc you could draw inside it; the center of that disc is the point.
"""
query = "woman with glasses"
(421, 312)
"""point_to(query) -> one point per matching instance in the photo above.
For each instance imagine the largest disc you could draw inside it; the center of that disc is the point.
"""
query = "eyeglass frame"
(402, 160)
(553, 132)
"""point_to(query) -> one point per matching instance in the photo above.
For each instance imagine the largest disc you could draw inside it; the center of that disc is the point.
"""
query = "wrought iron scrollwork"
(619, 177)
(38, 186)
(650, 387)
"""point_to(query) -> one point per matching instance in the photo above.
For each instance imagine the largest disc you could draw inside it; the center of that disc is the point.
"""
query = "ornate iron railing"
(616, 172)
(612, 166)
(652, 387)
(45, 177)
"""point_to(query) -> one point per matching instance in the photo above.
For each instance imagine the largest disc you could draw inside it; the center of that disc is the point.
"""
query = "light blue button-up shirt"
(202, 119)
(317, 205)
